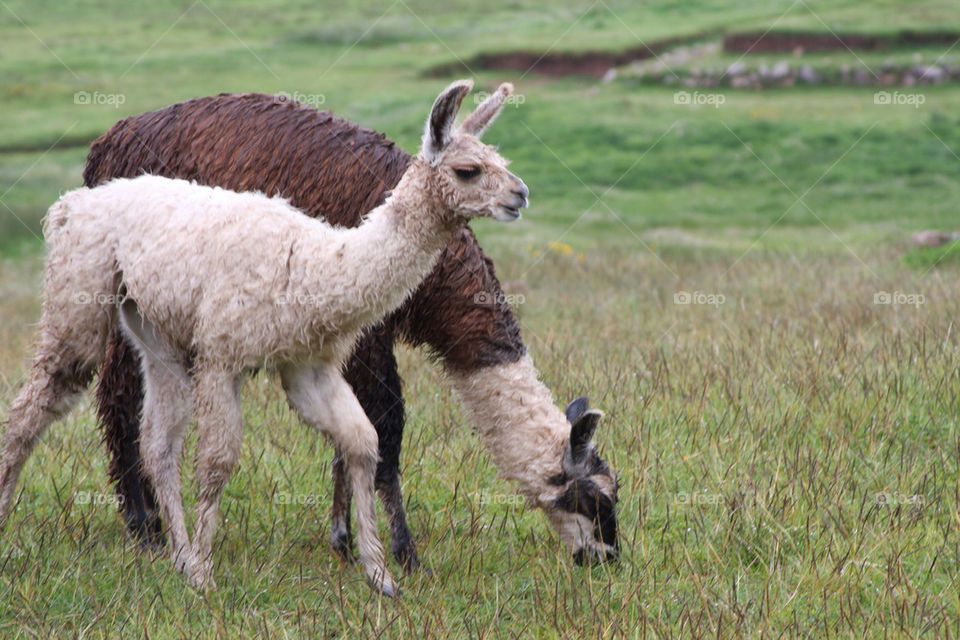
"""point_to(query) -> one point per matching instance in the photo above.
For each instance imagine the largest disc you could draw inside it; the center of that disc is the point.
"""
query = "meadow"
(733, 284)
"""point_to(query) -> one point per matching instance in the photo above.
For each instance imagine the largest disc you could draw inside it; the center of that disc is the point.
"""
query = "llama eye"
(468, 173)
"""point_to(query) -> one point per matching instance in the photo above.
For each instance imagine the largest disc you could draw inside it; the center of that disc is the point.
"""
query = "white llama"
(210, 283)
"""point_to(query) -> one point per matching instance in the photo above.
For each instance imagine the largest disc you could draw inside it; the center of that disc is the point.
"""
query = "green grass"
(789, 457)
(927, 258)
(788, 461)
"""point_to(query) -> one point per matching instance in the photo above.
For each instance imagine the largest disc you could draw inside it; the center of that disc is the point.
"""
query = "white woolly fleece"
(525, 433)
(238, 278)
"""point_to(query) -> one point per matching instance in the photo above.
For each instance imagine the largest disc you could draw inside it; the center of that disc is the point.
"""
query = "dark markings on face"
(593, 466)
(583, 496)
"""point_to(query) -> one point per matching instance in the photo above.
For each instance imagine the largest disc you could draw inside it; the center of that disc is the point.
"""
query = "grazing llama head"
(583, 507)
(469, 177)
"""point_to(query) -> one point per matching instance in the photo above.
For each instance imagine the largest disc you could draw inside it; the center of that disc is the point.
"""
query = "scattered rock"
(809, 75)
(863, 77)
(930, 238)
(780, 70)
(739, 76)
(927, 74)
(737, 68)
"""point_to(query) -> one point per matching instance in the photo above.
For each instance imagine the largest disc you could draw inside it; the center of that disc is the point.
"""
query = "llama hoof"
(342, 546)
(412, 565)
(199, 574)
(183, 564)
(384, 585)
(202, 578)
(390, 589)
(205, 583)
(149, 541)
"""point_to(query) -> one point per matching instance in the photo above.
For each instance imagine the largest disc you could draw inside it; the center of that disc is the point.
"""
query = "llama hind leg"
(167, 406)
(166, 413)
(55, 383)
(220, 435)
(322, 397)
(120, 406)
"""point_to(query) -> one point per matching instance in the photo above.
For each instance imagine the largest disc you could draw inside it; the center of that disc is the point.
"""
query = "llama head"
(470, 177)
(583, 506)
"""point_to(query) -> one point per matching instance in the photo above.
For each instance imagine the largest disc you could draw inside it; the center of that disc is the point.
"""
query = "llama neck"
(522, 429)
(389, 254)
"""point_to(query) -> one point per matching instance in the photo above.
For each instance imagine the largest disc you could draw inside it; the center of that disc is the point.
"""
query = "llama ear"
(576, 409)
(440, 123)
(581, 434)
(487, 112)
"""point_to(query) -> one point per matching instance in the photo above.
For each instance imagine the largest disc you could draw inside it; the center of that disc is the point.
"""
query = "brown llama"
(331, 168)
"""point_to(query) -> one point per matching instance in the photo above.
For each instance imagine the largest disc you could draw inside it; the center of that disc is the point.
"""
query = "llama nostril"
(521, 191)
(523, 194)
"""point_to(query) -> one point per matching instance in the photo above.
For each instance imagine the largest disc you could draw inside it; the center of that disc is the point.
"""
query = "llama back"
(324, 165)
(199, 261)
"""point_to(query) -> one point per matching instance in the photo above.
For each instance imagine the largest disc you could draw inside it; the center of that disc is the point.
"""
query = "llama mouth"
(585, 557)
(506, 214)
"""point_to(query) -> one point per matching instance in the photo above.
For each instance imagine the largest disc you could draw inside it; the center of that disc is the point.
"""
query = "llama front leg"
(220, 435)
(323, 398)
(340, 537)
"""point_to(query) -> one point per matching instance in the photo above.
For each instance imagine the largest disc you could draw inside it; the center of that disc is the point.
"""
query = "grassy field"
(733, 284)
